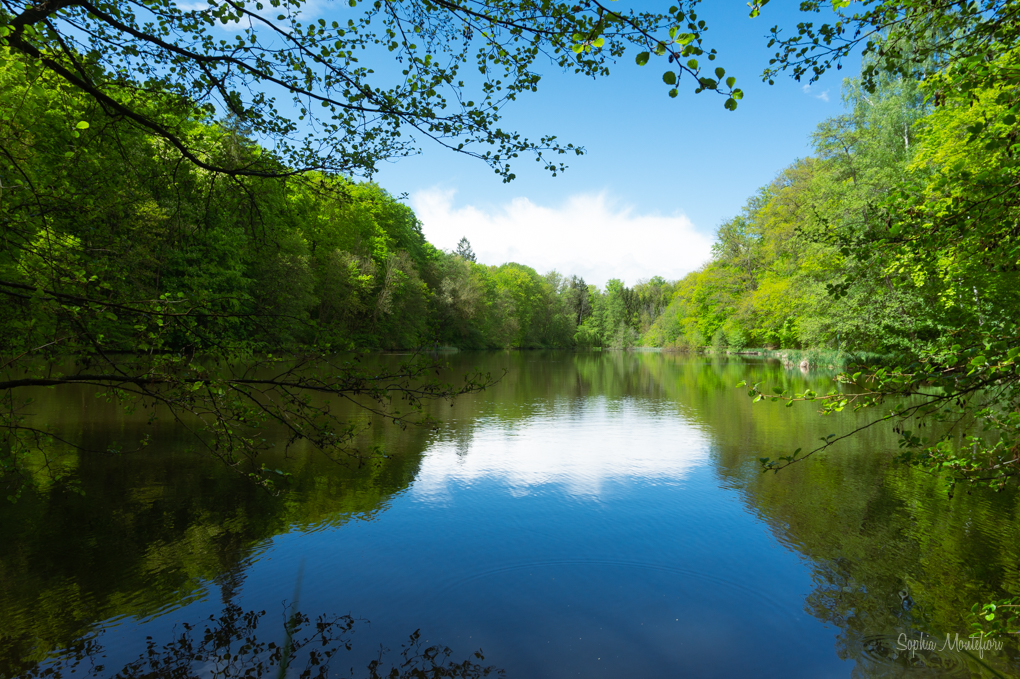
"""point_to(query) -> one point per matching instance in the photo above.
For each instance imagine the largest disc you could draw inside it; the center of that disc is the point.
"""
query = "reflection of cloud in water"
(578, 449)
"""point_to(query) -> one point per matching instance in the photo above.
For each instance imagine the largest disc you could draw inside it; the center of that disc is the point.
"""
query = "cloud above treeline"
(587, 235)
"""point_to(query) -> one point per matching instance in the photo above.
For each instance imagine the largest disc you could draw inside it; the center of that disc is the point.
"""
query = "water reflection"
(602, 514)
(888, 656)
(891, 554)
(592, 444)
(137, 535)
(239, 643)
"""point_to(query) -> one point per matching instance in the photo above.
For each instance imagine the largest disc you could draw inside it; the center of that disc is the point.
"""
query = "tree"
(578, 299)
(464, 250)
(950, 227)
(905, 38)
(333, 113)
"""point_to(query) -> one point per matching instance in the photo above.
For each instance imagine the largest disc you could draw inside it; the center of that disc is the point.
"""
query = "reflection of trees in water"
(153, 530)
(230, 645)
(890, 552)
(861, 609)
(146, 531)
(878, 617)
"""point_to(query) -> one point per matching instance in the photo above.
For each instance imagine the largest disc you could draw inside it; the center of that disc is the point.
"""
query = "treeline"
(801, 265)
(839, 251)
(97, 210)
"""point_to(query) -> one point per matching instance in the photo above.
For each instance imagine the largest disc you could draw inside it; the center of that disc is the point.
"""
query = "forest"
(360, 274)
(147, 230)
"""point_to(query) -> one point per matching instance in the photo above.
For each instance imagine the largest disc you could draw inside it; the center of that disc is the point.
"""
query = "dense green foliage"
(96, 210)
(900, 237)
(113, 215)
(776, 264)
(368, 86)
(268, 263)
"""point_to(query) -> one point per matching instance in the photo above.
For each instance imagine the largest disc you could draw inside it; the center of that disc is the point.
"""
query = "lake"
(595, 514)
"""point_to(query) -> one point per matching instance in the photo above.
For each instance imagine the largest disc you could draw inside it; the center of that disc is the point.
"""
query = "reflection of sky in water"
(570, 532)
(577, 449)
(589, 538)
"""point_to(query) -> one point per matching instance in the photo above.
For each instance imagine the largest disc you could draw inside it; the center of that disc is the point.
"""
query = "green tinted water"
(600, 514)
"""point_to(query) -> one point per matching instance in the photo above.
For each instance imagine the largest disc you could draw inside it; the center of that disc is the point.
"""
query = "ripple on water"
(883, 655)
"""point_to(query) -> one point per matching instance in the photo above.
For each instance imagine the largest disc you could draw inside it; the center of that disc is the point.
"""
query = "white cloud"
(587, 235)
(808, 90)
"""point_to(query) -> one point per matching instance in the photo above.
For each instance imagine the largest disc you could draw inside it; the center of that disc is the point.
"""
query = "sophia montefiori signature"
(926, 642)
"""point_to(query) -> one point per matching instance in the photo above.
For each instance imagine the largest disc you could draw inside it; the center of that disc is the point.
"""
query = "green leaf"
(82, 125)
(669, 77)
(642, 58)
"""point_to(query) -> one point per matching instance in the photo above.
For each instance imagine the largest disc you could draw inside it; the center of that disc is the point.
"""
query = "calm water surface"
(596, 515)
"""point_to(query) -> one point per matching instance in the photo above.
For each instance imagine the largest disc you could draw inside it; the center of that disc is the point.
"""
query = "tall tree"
(464, 250)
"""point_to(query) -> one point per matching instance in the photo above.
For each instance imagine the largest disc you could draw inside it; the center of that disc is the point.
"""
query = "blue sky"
(659, 175)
